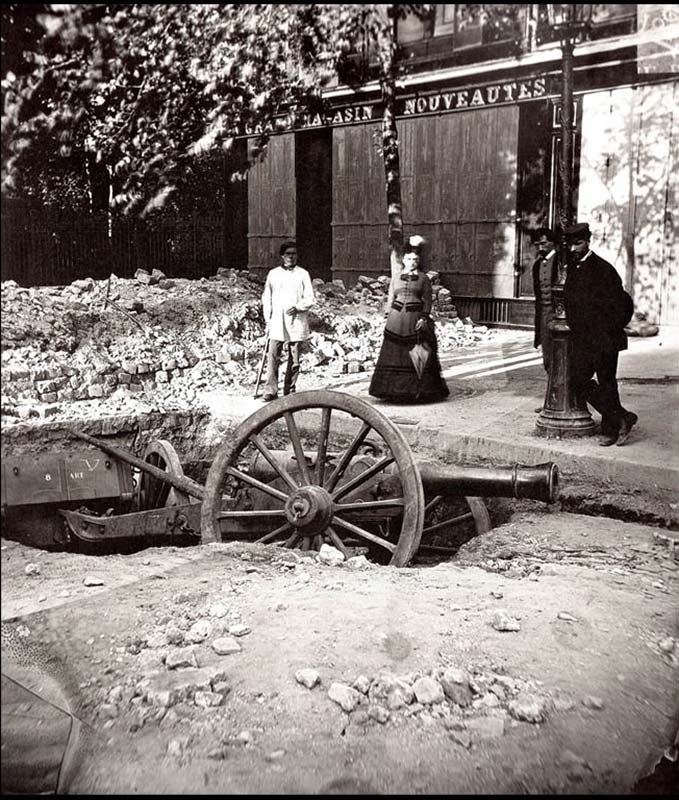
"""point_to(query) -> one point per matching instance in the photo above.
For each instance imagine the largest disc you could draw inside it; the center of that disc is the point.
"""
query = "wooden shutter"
(271, 202)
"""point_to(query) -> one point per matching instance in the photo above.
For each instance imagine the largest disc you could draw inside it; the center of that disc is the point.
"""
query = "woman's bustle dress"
(395, 377)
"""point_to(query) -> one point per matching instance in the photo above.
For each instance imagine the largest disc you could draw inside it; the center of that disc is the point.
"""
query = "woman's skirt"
(395, 377)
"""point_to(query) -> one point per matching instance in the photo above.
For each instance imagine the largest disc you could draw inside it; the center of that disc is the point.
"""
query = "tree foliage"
(148, 90)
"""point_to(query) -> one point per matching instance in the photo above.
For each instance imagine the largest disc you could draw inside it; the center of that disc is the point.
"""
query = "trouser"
(602, 393)
(291, 369)
(547, 315)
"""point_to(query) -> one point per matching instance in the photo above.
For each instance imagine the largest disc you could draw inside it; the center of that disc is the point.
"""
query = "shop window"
(608, 19)
(466, 24)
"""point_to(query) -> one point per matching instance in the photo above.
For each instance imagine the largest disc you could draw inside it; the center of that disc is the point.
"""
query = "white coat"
(283, 289)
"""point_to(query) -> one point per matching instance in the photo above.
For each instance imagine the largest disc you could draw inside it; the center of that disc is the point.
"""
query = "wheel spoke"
(256, 514)
(299, 450)
(347, 456)
(269, 456)
(448, 522)
(274, 534)
(431, 505)
(392, 502)
(264, 487)
(362, 477)
(339, 544)
(323, 446)
(306, 543)
(338, 521)
(292, 540)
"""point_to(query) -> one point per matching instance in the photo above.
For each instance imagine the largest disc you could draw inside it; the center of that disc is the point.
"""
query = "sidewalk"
(490, 414)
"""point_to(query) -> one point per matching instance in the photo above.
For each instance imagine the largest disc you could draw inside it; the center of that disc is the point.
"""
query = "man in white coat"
(288, 296)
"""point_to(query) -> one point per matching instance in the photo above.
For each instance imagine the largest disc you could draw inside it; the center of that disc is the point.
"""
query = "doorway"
(313, 170)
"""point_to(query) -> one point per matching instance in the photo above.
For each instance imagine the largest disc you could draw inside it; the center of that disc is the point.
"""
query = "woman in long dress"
(408, 369)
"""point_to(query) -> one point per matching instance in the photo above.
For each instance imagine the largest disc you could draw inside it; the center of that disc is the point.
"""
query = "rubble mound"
(153, 343)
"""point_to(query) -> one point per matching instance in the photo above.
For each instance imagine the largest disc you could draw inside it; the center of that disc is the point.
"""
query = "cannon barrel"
(180, 482)
(539, 482)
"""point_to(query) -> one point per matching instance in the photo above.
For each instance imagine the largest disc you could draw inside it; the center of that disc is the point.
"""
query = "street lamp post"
(563, 414)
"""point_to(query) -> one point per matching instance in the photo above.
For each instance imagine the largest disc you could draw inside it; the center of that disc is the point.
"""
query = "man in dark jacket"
(596, 312)
(545, 275)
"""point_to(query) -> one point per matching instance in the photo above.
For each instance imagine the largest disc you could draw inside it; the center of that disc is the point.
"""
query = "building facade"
(478, 120)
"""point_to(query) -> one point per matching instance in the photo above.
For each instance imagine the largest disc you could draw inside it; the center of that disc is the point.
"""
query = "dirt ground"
(578, 693)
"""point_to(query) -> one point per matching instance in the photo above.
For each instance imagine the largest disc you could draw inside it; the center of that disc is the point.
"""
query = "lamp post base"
(562, 415)
(564, 425)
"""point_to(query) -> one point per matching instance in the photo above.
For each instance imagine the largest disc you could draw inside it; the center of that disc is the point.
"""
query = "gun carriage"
(309, 468)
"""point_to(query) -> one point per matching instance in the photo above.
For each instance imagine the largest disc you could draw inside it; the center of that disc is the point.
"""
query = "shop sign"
(494, 94)
(431, 103)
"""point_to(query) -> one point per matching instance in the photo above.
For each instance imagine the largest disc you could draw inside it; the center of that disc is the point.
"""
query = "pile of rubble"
(159, 341)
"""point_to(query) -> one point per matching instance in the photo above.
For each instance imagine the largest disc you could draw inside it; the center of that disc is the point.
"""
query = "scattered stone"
(217, 754)
(497, 595)
(184, 657)
(208, 699)
(362, 684)
(391, 691)
(226, 645)
(275, 755)
(488, 700)
(199, 631)
(667, 645)
(173, 635)
(32, 569)
(217, 610)
(428, 691)
(245, 737)
(379, 714)
(528, 708)
(92, 580)
(239, 630)
(566, 616)
(308, 677)
(593, 702)
(345, 696)
(503, 622)
(357, 563)
(330, 556)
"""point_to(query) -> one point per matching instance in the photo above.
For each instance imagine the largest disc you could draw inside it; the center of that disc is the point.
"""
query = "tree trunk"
(392, 168)
(390, 149)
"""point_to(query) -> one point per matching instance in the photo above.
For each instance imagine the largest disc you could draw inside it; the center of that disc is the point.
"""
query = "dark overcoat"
(554, 259)
(595, 306)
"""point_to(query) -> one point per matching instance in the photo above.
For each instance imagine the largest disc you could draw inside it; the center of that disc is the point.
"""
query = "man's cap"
(578, 231)
(415, 241)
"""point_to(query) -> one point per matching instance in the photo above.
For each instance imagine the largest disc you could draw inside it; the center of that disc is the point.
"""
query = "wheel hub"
(310, 509)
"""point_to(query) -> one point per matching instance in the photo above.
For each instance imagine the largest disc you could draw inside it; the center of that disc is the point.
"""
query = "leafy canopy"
(148, 90)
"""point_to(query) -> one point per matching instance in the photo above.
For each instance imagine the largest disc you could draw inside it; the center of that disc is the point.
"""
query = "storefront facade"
(479, 144)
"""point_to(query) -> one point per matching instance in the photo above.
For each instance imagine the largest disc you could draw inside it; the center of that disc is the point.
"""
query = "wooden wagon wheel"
(151, 492)
(469, 518)
(312, 504)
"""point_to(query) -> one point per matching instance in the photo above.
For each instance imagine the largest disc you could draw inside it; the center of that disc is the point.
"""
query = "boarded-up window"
(458, 183)
(271, 202)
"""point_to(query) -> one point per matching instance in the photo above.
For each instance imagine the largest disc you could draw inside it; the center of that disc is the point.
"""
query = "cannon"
(306, 469)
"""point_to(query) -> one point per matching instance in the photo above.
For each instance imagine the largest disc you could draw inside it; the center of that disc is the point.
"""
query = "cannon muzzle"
(539, 482)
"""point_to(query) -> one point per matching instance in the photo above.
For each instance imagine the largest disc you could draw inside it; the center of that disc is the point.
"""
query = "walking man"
(545, 275)
(597, 310)
(288, 296)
